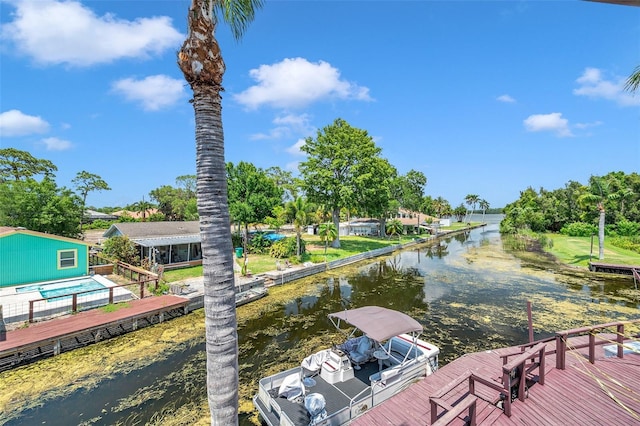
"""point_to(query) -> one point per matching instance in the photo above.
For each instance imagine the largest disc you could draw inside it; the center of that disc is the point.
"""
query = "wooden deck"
(612, 268)
(604, 393)
(52, 337)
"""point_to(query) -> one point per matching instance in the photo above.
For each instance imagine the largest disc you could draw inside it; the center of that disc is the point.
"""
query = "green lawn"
(349, 246)
(576, 251)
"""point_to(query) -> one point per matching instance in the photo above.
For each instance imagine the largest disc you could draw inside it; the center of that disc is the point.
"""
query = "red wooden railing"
(514, 373)
(563, 336)
(74, 296)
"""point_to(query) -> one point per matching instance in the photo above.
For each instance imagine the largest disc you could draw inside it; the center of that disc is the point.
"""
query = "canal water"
(470, 292)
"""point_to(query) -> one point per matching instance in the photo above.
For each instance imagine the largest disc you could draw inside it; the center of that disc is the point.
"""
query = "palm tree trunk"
(217, 264)
(601, 232)
(201, 63)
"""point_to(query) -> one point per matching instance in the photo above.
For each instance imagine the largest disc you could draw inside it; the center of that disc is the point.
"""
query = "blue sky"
(483, 97)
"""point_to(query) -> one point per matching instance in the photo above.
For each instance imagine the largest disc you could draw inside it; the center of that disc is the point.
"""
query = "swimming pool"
(64, 288)
(274, 237)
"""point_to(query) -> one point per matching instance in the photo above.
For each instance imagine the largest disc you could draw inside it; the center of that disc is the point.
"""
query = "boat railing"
(562, 338)
(359, 398)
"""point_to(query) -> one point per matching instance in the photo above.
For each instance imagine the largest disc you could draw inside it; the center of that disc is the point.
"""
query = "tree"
(374, 195)
(285, 180)
(252, 196)
(394, 227)
(412, 190)
(471, 200)
(143, 208)
(598, 193)
(298, 212)
(327, 232)
(121, 248)
(40, 206)
(86, 182)
(201, 63)
(484, 205)
(18, 165)
(336, 158)
(460, 212)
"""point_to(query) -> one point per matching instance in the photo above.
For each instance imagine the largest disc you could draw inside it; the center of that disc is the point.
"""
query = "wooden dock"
(55, 336)
(605, 392)
(612, 268)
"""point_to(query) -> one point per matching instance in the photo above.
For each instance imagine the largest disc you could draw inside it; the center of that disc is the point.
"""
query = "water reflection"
(468, 291)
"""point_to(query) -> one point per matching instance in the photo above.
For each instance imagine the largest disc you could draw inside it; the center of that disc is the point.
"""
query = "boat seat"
(385, 376)
(363, 353)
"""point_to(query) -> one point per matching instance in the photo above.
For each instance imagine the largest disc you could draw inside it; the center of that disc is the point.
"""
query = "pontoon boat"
(381, 356)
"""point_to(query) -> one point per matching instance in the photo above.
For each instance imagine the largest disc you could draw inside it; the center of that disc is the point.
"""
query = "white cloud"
(154, 92)
(287, 125)
(588, 125)
(296, 83)
(548, 123)
(594, 85)
(55, 144)
(16, 123)
(54, 32)
(506, 99)
(295, 148)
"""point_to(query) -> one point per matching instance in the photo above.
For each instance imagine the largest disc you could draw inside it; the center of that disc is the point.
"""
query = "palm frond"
(633, 82)
(238, 14)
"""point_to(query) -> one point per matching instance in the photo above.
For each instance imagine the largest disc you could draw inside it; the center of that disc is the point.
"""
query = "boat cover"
(315, 405)
(379, 323)
(291, 387)
(314, 362)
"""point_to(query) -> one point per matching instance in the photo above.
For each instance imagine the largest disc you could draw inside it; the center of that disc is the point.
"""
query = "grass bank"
(579, 251)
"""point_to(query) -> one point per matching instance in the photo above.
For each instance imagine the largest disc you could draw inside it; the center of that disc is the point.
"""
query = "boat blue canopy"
(377, 322)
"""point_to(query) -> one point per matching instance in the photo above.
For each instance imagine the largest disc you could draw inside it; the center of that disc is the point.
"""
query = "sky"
(483, 97)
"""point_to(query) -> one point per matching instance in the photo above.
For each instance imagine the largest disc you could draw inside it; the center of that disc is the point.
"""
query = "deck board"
(47, 331)
(570, 396)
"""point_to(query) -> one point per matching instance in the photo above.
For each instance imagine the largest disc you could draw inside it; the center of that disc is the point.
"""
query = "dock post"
(3, 327)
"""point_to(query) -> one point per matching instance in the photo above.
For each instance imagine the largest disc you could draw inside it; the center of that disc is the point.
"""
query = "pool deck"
(16, 304)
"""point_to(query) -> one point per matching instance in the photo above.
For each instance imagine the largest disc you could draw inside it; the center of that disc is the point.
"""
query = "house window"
(67, 259)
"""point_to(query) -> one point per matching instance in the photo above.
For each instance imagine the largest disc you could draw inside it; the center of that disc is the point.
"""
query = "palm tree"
(327, 232)
(394, 227)
(298, 212)
(484, 205)
(598, 193)
(201, 63)
(471, 200)
(142, 207)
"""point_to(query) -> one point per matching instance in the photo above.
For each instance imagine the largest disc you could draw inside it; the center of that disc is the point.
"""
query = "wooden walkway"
(55, 336)
(604, 393)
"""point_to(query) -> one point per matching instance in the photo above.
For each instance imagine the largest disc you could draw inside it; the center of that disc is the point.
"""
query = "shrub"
(121, 248)
(286, 248)
(236, 239)
(628, 243)
(579, 229)
(98, 224)
(260, 243)
(626, 228)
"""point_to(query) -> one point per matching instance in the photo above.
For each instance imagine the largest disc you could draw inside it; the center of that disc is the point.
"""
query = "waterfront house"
(164, 243)
(32, 257)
